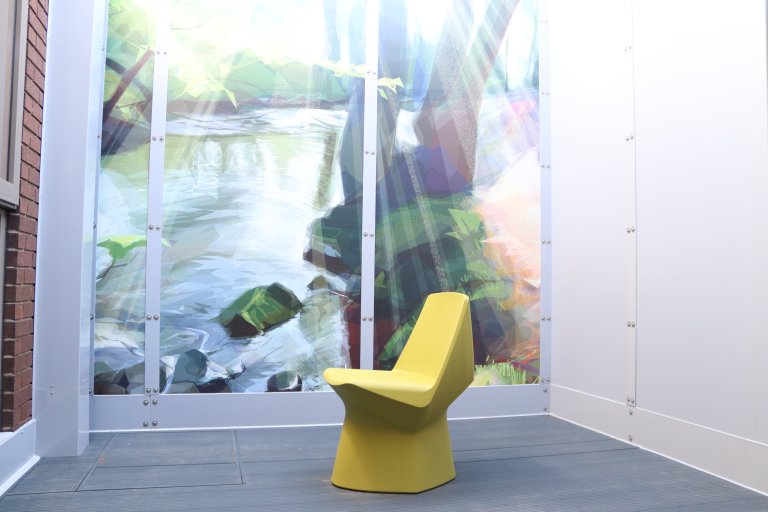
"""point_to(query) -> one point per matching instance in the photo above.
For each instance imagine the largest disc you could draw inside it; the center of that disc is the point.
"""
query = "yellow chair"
(395, 434)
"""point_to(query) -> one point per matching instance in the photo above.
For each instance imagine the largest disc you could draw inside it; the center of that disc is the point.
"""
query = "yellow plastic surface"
(395, 434)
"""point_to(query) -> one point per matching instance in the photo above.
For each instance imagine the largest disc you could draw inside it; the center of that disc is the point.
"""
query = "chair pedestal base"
(377, 456)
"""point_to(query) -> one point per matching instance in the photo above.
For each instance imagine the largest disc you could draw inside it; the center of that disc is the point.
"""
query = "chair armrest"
(406, 387)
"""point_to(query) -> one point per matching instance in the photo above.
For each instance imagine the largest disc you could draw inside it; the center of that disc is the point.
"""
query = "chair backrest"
(440, 345)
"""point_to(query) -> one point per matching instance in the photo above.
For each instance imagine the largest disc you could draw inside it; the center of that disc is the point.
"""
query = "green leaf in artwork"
(259, 309)
(120, 245)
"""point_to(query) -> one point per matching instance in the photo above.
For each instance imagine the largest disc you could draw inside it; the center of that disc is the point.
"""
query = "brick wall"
(21, 239)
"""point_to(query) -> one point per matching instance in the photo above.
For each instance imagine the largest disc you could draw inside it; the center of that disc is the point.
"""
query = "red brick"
(12, 274)
(26, 413)
(19, 293)
(8, 419)
(17, 398)
(20, 362)
(29, 310)
(17, 258)
(27, 190)
(17, 346)
(13, 239)
(37, 26)
(17, 329)
(13, 311)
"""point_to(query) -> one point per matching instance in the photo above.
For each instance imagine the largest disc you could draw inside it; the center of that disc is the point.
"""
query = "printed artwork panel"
(263, 128)
(122, 199)
(458, 198)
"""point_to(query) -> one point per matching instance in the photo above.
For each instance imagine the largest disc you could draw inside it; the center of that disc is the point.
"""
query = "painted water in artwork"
(261, 198)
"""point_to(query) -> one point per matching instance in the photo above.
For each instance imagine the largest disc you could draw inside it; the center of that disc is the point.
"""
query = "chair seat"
(402, 386)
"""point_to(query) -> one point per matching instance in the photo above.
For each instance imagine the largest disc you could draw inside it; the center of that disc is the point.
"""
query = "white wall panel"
(702, 187)
(592, 197)
(69, 164)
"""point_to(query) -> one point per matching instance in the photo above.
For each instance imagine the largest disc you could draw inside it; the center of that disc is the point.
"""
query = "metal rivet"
(155, 390)
(151, 227)
(545, 390)
(154, 402)
(154, 423)
(631, 411)
(630, 437)
(154, 138)
(146, 424)
(549, 319)
(146, 402)
(157, 228)
(147, 390)
(149, 317)
(633, 324)
(156, 317)
(627, 399)
(161, 139)
(546, 408)
(632, 400)
(543, 319)
(632, 229)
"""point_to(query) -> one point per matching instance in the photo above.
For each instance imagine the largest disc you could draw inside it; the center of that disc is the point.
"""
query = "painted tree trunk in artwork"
(448, 119)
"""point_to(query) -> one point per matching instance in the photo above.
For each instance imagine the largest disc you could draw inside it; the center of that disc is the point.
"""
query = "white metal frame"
(184, 411)
(9, 188)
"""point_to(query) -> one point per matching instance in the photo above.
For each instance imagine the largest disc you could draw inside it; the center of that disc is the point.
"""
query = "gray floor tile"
(53, 478)
(169, 448)
(91, 453)
(141, 477)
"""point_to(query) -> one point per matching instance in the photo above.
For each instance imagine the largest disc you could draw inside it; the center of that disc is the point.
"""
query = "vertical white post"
(155, 201)
(368, 253)
(545, 297)
(71, 151)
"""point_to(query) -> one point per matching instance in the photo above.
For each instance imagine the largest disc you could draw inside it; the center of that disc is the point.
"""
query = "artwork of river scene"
(260, 267)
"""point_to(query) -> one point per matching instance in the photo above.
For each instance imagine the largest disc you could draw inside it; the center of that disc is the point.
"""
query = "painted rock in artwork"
(258, 310)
